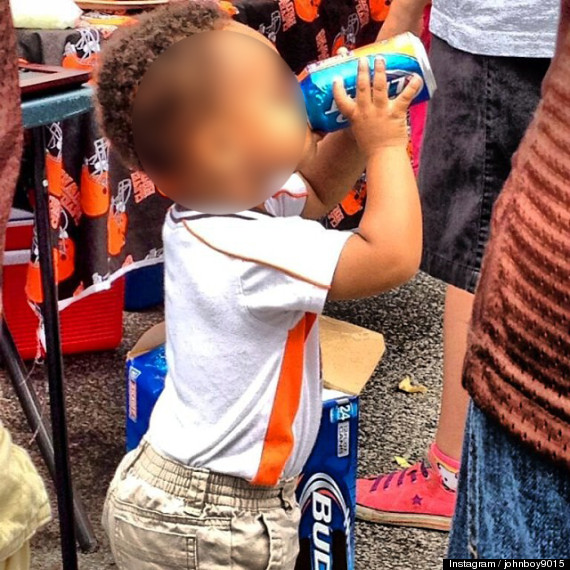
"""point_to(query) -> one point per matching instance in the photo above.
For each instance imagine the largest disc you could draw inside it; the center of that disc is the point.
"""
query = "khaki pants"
(19, 560)
(160, 514)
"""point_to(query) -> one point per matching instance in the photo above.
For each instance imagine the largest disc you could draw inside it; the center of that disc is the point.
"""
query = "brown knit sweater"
(517, 368)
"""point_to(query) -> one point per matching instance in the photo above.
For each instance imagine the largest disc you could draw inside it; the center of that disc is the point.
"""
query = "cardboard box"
(326, 491)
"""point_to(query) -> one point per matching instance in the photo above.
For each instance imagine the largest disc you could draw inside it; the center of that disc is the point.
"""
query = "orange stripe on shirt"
(290, 194)
(310, 319)
(279, 439)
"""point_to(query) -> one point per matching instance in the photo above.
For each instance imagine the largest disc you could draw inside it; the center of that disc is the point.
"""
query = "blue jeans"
(512, 502)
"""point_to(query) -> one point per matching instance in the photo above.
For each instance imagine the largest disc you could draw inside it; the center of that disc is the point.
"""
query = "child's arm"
(339, 162)
(338, 165)
(386, 250)
(404, 16)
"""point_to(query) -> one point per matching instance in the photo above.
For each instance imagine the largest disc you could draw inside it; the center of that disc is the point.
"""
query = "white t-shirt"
(514, 28)
(243, 391)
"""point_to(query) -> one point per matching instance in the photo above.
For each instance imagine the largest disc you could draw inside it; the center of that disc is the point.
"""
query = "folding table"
(36, 113)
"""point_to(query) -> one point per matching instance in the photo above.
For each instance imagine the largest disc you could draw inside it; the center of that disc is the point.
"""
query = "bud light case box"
(327, 486)
(145, 381)
(327, 489)
(145, 375)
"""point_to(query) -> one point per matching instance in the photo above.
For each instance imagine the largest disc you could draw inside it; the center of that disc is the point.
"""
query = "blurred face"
(244, 131)
(311, 138)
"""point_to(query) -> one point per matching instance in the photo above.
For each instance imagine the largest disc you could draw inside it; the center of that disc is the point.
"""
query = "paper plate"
(119, 4)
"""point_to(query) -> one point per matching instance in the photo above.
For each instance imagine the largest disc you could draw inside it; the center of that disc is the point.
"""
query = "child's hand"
(377, 122)
(386, 250)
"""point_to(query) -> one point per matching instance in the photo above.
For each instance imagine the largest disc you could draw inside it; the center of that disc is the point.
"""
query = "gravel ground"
(392, 422)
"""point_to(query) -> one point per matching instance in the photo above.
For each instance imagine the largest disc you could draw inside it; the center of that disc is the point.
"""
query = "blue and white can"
(404, 55)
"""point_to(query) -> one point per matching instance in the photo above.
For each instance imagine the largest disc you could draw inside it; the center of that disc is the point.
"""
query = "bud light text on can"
(404, 56)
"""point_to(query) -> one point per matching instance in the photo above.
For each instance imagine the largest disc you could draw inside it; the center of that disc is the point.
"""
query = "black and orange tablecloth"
(106, 218)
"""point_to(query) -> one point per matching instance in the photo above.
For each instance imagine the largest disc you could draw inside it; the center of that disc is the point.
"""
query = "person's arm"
(24, 504)
(404, 16)
(386, 251)
(330, 176)
(11, 134)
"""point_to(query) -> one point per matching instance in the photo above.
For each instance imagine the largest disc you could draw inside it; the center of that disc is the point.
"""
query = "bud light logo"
(323, 506)
(396, 80)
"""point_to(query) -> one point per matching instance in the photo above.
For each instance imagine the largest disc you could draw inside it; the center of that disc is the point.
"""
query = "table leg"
(16, 370)
(53, 358)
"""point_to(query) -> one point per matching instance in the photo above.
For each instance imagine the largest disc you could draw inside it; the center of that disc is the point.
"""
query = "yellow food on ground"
(402, 461)
(406, 386)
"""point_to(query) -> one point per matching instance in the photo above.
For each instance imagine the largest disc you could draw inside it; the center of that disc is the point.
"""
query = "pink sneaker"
(416, 496)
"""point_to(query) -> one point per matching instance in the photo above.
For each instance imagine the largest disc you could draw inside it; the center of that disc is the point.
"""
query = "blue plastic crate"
(144, 287)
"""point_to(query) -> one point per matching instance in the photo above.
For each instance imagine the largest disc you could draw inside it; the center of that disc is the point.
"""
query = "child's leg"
(424, 495)
(162, 514)
(454, 399)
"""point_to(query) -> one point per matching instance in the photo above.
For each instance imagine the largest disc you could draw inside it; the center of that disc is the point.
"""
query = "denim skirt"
(475, 122)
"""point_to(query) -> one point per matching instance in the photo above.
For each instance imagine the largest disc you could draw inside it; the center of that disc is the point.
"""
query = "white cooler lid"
(17, 257)
(17, 214)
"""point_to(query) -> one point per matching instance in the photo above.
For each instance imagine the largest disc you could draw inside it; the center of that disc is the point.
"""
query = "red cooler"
(89, 324)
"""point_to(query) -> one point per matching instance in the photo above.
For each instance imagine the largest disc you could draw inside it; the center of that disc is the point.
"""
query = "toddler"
(216, 123)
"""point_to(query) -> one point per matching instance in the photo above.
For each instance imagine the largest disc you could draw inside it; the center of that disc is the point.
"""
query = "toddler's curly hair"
(130, 52)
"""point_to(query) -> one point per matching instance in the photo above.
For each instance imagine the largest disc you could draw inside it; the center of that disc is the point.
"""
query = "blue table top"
(57, 107)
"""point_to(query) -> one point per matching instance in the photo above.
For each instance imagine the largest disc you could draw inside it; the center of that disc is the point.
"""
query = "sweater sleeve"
(24, 505)
(517, 365)
(10, 118)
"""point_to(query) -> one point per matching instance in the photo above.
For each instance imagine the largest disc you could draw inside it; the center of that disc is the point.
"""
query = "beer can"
(404, 55)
